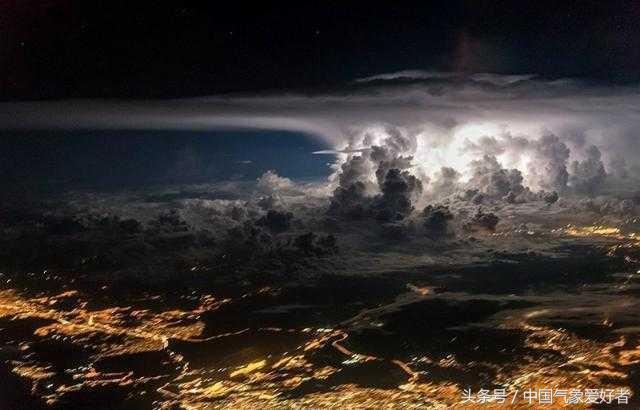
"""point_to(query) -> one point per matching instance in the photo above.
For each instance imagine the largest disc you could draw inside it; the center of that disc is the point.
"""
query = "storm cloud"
(498, 134)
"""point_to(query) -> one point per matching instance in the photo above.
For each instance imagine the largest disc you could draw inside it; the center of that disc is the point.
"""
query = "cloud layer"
(498, 134)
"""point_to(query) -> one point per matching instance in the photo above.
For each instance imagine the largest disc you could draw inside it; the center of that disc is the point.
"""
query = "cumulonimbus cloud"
(444, 110)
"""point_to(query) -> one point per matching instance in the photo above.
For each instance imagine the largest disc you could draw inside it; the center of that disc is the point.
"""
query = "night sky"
(56, 49)
(103, 159)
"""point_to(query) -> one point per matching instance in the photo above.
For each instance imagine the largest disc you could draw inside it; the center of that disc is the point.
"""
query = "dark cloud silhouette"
(618, 166)
(549, 165)
(437, 221)
(589, 175)
(550, 197)
(398, 190)
(276, 221)
(482, 220)
(445, 182)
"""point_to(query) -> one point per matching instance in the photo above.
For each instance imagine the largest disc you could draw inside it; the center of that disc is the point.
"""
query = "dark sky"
(101, 159)
(52, 49)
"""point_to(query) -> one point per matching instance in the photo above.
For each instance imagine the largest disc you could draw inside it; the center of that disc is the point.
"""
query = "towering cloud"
(588, 176)
(377, 180)
(354, 188)
(548, 169)
(271, 183)
(437, 221)
(492, 180)
(399, 190)
(445, 182)
(618, 166)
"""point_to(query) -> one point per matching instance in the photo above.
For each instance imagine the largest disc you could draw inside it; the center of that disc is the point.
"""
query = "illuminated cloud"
(450, 116)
